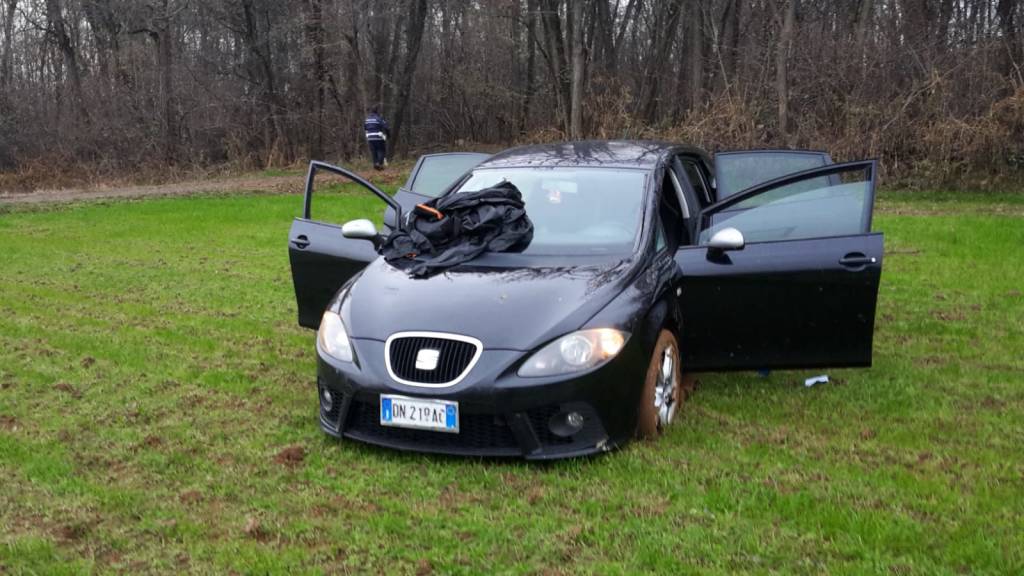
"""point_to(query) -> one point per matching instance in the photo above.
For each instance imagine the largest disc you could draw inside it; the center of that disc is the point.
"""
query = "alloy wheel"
(666, 388)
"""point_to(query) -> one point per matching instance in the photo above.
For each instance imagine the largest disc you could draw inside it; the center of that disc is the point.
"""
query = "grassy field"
(157, 414)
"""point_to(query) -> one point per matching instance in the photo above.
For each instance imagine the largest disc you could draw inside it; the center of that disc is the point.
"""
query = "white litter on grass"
(823, 379)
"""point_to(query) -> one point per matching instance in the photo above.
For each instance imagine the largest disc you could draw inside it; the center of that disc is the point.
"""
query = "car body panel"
(490, 301)
(779, 305)
(322, 260)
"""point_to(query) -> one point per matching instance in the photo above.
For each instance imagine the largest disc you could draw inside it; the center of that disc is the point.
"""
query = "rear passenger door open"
(797, 288)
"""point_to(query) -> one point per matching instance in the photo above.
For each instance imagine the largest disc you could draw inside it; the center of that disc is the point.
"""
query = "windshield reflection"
(574, 210)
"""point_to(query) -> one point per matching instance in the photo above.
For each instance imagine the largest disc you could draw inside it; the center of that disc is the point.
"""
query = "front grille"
(454, 358)
(477, 432)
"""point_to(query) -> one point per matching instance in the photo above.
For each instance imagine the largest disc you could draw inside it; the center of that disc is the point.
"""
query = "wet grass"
(157, 414)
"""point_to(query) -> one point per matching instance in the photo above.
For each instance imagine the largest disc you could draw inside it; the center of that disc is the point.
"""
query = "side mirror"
(724, 240)
(361, 229)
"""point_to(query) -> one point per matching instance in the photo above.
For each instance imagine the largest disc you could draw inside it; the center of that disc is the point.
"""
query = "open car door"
(784, 274)
(322, 259)
(431, 177)
(742, 169)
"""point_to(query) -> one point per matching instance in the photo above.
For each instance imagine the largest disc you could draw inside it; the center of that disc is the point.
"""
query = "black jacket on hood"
(456, 228)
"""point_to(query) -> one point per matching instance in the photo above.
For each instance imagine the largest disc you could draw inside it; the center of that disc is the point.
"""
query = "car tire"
(664, 381)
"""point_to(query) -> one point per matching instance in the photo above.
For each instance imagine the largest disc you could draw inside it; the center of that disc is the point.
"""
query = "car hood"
(511, 308)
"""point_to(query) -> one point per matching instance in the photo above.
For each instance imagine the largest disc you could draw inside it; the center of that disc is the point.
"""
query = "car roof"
(642, 154)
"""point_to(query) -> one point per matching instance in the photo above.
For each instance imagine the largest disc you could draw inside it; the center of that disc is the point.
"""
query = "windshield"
(574, 210)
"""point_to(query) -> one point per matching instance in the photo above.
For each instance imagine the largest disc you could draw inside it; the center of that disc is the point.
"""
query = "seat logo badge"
(426, 359)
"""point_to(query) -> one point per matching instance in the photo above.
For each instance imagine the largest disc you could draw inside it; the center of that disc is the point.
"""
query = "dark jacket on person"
(375, 127)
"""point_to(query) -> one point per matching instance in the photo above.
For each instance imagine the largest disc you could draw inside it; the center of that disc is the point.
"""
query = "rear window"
(741, 170)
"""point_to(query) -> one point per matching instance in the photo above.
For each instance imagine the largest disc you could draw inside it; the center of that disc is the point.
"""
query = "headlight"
(332, 337)
(574, 352)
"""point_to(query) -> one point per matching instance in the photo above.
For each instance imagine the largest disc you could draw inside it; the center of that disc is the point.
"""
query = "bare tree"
(782, 63)
(112, 85)
(59, 32)
(578, 63)
(5, 59)
(413, 38)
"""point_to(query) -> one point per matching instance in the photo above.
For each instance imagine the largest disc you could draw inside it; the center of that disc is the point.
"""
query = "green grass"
(151, 371)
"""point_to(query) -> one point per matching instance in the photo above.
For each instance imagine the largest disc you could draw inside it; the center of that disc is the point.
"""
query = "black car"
(650, 262)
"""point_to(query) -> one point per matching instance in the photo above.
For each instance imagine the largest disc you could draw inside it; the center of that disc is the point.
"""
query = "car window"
(696, 179)
(574, 210)
(437, 173)
(677, 188)
(738, 171)
(818, 207)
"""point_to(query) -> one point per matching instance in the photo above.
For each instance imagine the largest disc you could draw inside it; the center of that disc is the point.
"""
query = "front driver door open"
(801, 292)
(322, 260)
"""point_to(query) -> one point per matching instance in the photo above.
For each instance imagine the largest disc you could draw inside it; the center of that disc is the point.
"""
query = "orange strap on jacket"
(433, 211)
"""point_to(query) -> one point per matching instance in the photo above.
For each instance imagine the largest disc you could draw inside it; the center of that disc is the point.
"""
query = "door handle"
(301, 241)
(856, 260)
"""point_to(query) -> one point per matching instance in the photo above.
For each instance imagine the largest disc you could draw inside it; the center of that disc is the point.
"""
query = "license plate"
(419, 413)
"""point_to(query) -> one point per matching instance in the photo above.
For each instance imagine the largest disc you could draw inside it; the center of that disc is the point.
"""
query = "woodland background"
(108, 88)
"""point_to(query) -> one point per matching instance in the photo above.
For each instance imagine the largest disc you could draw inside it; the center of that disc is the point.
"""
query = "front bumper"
(501, 414)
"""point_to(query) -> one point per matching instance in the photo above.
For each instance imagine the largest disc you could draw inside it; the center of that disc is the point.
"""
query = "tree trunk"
(696, 55)
(603, 38)
(728, 43)
(355, 91)
(165, 52)
(556, 57)
(782, 63)
(531, 63)
(864, 23)
(392, 71)
(413, 38)
(259, 62)
(1006, 10)
(58, 30)
(316, 74)
(942, 30)
(632, 7)
(6, 58)
(578, 60)
(657, 61)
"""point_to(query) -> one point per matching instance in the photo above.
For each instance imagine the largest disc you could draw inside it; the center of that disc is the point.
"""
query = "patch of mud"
(291, 456)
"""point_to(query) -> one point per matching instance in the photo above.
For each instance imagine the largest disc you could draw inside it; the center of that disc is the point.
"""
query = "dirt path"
(273, 184)
(294, 183)
(285, 184)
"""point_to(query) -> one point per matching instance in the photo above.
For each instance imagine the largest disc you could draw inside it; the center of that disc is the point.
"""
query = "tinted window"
(694, 176)
(737, 171)
(574, 210)
(436, 173)
(804, 209)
